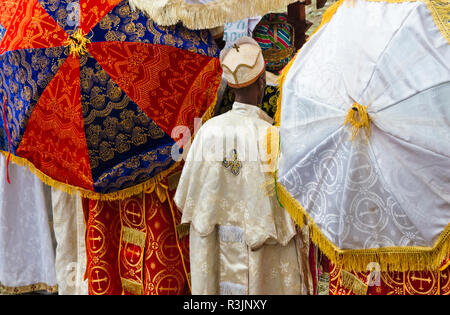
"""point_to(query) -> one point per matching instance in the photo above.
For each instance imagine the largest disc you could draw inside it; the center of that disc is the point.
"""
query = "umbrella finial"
(357, 116)
(77, 43)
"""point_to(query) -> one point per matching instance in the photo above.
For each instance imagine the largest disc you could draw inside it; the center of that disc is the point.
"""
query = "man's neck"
(246, 100)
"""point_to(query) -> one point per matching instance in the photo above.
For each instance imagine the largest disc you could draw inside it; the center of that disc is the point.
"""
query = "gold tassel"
(133, 236)
(353, 283)
(357, 116)
(5, 290)
(77, 43)
(159, 189)
(131, 286)
(183, 230)
(400, 259)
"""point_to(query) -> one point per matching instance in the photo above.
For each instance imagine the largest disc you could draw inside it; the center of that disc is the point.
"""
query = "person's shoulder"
(214, 128)
(217, 121)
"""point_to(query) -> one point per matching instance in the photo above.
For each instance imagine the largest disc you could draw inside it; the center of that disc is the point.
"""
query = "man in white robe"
(241, 240)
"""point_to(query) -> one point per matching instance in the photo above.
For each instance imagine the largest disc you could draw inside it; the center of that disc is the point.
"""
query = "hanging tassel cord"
(77, 43)
(359, 119)
(9, 140)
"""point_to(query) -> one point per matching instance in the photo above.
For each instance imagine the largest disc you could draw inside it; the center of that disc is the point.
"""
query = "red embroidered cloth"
(132, 247)
(397, 283)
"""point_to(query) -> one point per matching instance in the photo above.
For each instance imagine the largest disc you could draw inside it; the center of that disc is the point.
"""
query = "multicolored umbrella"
(365, 134)
(202, 14)
(94, 89)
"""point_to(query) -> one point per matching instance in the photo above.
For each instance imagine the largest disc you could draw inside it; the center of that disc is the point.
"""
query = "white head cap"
(243, 63)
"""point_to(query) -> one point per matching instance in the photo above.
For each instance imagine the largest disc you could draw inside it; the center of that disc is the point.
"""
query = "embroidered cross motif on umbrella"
(94, 89)
(365, 135)
(202, 14)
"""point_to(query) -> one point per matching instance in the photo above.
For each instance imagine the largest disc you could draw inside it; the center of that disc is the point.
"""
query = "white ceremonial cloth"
(394, 190)
(27, 254)
(241, 240)
(70, 229)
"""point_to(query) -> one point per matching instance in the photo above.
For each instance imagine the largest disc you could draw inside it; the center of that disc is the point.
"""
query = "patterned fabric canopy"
(93, 91)
(364, 135)
(201, 14)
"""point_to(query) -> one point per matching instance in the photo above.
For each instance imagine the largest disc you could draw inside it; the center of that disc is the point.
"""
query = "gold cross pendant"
(235, 165)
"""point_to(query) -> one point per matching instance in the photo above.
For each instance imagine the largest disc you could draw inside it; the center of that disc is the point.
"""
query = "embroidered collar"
(251, 110)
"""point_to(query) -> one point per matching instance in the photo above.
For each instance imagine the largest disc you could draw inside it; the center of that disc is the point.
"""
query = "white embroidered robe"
(241, 240)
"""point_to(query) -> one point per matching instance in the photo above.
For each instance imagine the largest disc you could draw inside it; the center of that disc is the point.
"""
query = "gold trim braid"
(70, 189)
(133, 236)
(353, 283)
(205, 16)
(131, 286)
(183, 230)
(5, 290)
(400, 259)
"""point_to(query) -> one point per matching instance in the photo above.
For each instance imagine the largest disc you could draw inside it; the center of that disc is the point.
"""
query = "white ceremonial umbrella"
(365, 135)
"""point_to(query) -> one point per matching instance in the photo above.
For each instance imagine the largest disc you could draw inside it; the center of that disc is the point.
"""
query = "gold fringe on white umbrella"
(209, 14)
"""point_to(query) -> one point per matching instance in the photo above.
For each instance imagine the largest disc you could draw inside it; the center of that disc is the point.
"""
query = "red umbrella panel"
(94, 89)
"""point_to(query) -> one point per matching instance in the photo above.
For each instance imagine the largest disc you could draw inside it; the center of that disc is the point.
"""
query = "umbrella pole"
(297, 18)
